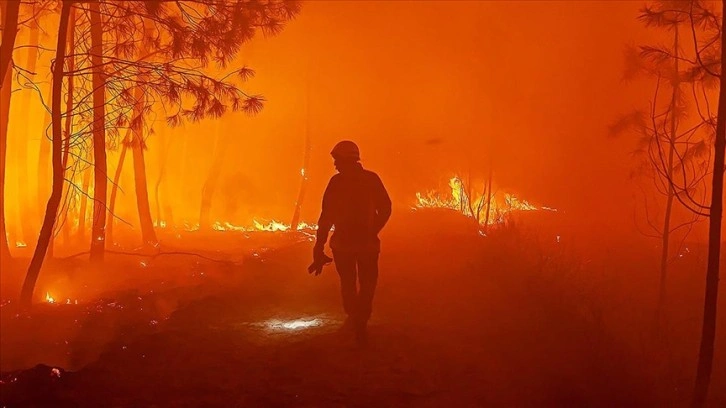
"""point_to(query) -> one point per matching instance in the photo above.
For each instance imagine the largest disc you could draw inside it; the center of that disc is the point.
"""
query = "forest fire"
(51, 300)
(279, 203)
(487, 208)
(257, 226)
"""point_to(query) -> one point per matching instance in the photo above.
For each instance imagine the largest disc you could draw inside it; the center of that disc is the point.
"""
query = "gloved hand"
(319, 261)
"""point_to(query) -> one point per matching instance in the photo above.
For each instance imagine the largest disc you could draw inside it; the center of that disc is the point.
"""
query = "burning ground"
(515, 318)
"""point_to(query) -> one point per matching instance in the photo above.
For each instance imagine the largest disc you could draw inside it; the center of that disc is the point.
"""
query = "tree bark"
(10, 11)
(708, 333)
(44, 171)
(26, 212)
(5, 95)
(114, 187)
(100, 182)
(489, 198)
(68, 121)
(46, 231)
(83, 208)
(148, 235)
(666, 233)
(303, 172)
(164, 151)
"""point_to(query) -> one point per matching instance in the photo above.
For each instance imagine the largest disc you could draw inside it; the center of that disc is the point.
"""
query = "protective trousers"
(363, 267)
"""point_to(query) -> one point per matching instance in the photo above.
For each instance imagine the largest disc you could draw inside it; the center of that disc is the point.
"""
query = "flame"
(49, 298)
(273, 226)
(460, 200)
(228, 226)
(219, 225)
(306, 226)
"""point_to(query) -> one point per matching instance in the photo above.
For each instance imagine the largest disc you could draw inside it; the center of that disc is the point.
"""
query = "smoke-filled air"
(358, 203)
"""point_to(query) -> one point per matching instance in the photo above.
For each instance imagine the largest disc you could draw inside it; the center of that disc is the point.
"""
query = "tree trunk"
(665, 242)
(98, 235)
(44, 173)
(81, 233)
(210, 185)
(68, 120)
(489, 198)
(708, 334)
(164, 151)
(480, 204)
(303, 172)
(10, 11)
(148, 234)
(46, 231)
(114, 187)
(26, 212)
(5, 95)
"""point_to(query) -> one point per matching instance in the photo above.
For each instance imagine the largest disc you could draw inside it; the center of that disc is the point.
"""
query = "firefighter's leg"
(345, 264)
(368, 278)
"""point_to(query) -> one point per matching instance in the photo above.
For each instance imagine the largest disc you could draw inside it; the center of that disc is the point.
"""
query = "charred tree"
(46, 230)
(710, 306)
(488, 199)
(83, 207)
(114, 187)
(670, 191)
(148, 235)
(10, 12)
(164, 152)
(68, 124)
(98, 235)
(44, 172)
(303, 172)
(26, 222)
(704, 69)
(5, 95)
(673, 160)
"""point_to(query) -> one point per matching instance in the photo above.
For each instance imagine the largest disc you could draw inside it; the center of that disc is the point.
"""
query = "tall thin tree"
(98, 235)
(305, 164)
(51, 211)
(10, 13)
(671, 141)
(710, 304)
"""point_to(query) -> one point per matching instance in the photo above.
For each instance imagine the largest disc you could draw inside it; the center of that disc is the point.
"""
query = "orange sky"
(428, 89)
(535, 83)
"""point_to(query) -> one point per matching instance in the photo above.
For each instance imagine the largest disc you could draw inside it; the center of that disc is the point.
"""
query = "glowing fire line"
(458, 199)
(271, 226)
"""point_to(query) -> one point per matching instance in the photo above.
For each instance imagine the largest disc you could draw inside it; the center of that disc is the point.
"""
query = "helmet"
(346, 150)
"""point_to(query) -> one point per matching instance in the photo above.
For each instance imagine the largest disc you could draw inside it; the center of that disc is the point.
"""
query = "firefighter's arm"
(325, 222)
(383, 205)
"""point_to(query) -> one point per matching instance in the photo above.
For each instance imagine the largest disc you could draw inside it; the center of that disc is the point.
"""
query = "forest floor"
(512, 319)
